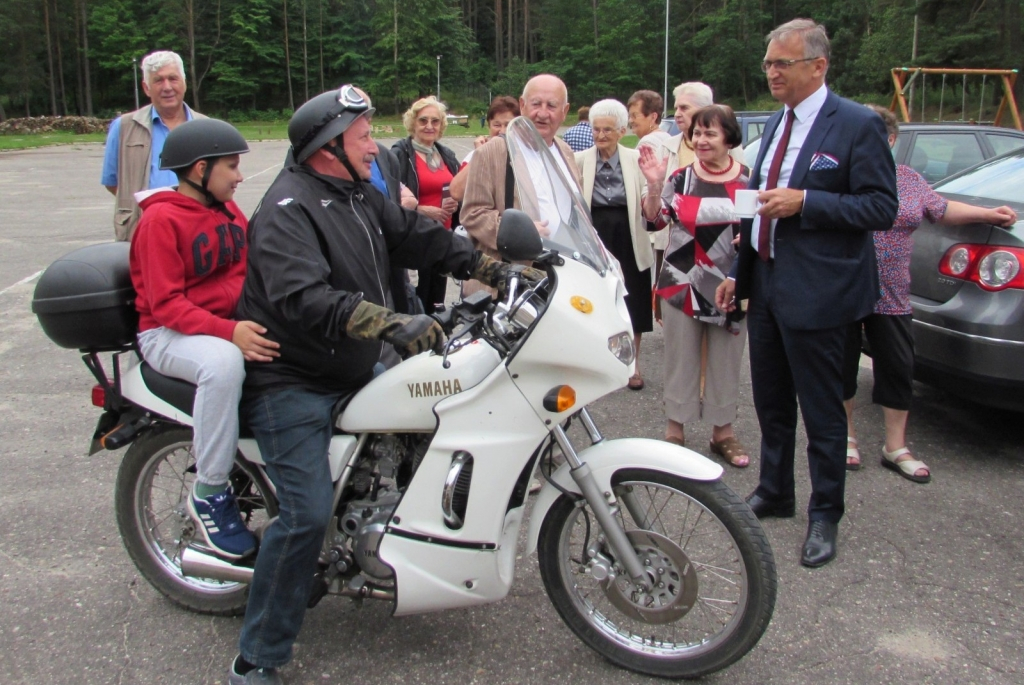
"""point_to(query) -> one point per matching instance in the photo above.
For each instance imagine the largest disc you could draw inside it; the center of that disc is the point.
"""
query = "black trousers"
(787, 366)
(892, 354)
(431, 290)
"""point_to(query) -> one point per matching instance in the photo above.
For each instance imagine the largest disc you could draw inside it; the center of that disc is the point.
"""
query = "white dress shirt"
(805, 113)
(555, 203)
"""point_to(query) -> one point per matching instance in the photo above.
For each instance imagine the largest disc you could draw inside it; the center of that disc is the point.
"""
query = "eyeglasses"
(783, 64)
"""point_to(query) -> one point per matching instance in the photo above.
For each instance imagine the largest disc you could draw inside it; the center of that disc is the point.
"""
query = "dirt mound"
(28, 125)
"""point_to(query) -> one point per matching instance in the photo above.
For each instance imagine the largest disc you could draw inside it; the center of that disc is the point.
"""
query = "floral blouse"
(893, 247)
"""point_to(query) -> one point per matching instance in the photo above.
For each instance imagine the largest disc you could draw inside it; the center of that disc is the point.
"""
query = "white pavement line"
(249, 178)
(24, 280)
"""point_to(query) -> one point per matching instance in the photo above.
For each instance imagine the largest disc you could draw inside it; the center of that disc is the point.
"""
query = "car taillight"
(993, 267)
(99, 396)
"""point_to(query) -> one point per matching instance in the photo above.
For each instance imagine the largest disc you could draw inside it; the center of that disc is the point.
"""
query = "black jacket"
(318, 246)
(406, 156)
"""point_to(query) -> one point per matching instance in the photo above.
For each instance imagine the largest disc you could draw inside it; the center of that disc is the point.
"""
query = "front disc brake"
(671, 578)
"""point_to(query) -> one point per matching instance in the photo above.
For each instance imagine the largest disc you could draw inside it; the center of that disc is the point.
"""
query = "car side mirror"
(518, 239)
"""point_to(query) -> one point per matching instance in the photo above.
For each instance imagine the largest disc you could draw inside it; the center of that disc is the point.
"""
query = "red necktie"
(764, 232)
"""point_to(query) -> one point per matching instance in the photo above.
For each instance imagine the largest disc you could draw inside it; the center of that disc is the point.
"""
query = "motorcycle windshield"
(547, 194)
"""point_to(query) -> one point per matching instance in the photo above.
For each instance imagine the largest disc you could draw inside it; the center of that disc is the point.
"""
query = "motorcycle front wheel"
(710, 570)
(153, 484)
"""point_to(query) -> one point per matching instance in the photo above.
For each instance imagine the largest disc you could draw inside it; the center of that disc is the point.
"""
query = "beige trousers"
(683, 402)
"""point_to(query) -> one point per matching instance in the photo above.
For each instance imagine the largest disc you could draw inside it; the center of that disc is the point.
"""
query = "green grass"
(384, 127)
(20, 141)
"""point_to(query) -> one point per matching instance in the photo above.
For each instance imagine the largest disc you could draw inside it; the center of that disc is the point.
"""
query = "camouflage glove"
(496, 274)
(409, 334)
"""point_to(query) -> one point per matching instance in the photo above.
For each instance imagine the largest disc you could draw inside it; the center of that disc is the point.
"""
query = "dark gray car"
(939, 150)
(967, 291)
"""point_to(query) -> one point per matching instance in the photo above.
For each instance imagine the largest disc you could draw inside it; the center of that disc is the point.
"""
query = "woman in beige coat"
(613, 188)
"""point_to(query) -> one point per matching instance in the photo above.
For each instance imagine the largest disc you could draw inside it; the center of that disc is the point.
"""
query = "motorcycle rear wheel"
(719, 576)
(153, 482)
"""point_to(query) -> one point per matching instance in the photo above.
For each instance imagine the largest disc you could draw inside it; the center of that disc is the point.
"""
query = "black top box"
(85, 299)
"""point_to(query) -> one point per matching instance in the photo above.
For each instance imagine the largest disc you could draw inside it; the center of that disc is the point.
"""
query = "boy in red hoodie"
(187, 266)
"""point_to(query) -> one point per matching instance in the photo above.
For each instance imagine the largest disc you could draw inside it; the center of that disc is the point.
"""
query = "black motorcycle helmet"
(322, 119)
(200, 139)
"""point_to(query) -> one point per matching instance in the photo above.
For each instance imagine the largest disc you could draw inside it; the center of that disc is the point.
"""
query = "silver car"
(967, 291)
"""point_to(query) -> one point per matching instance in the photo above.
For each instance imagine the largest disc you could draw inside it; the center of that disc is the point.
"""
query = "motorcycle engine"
(365, 521)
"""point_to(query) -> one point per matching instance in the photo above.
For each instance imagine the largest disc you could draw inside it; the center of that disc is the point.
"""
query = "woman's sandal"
(908, 468)
(733, 451)
(852, 455)
(636, 382)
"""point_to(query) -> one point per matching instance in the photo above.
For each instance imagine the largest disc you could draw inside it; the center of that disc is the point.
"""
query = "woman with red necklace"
(696, 204)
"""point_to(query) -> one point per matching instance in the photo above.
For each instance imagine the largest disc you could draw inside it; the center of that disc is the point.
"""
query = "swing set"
(904, 77)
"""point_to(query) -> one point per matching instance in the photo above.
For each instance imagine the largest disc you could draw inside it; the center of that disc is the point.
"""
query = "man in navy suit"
(807, 265)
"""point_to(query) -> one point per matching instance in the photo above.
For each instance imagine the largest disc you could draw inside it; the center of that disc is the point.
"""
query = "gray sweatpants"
(217, 367)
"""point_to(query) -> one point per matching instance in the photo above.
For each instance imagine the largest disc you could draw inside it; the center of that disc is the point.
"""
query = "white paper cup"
(746, 203)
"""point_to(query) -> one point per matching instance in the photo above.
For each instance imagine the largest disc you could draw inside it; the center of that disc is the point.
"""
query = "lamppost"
(666, 105)
(439, 77)
(135, 80)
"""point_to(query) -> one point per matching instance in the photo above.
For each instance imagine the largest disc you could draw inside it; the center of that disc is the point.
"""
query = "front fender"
(608, 457)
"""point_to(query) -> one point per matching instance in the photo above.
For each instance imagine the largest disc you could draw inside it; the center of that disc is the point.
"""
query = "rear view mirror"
(518, 239)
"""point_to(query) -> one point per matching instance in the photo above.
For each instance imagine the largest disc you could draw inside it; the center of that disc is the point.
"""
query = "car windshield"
(999, 179)
(545, 194)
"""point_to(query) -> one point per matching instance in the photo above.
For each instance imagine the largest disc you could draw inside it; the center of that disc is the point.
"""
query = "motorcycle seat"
(178, 393)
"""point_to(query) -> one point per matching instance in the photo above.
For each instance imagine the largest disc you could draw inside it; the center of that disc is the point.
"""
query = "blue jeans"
(293, 429)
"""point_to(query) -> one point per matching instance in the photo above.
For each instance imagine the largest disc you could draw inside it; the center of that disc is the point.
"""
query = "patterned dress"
(702, 223)
(893, 247)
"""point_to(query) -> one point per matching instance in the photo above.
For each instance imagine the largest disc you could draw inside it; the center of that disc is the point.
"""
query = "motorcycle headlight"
(621, 345)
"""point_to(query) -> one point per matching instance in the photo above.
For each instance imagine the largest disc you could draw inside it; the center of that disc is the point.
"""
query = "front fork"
(601, 503)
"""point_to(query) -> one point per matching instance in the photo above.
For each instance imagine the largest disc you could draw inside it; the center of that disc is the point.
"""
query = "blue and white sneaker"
(220, 523)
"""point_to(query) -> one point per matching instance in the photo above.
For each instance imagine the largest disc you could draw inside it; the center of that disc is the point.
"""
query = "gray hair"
(814, 36)
(155, 61)
(700, 93)
(613, 109)
(892, 126)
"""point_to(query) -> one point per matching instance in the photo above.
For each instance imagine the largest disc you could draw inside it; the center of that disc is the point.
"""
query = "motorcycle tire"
(153, 483)
(712, 573)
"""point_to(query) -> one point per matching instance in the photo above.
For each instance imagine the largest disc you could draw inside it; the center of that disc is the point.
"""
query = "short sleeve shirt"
(157, 178)
(893, 247)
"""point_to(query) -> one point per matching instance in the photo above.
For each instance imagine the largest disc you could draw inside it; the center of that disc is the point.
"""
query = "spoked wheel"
(710, 584)
(153, 484)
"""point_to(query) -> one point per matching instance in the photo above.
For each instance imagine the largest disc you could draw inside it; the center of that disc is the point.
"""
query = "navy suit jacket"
(825, 274)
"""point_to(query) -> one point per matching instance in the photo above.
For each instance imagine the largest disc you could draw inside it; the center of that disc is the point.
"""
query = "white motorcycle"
(646, 554)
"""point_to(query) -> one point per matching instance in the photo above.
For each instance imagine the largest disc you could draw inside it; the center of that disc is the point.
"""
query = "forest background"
(260, 59)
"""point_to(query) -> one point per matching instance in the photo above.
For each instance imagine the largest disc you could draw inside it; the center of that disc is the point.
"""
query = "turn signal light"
(99, 396)
(993, 267)
(560, 398)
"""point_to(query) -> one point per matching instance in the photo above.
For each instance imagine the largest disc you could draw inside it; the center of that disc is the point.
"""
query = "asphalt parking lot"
(927, 587)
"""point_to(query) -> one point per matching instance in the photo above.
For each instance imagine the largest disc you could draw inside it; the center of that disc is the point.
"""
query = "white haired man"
(490, 190)
(135, 140)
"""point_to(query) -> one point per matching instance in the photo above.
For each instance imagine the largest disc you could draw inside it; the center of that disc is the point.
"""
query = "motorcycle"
(647, 555)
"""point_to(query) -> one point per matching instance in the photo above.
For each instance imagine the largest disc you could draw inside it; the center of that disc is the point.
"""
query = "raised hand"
(651, 166)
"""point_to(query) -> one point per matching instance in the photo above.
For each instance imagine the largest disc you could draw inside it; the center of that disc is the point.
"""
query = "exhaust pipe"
(199, 565)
